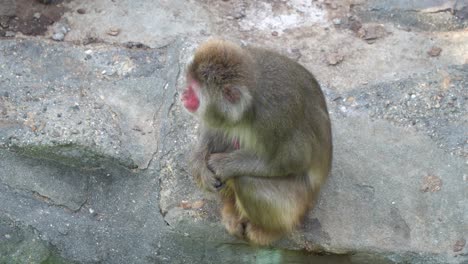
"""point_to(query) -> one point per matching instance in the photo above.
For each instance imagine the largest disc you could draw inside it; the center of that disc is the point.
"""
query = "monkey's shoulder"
(280, 69)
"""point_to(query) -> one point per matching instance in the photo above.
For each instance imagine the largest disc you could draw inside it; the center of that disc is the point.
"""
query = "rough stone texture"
(153, 23)
(19, 244)
(7, 7)
(85, 103)
(94, 141)
(433, 15)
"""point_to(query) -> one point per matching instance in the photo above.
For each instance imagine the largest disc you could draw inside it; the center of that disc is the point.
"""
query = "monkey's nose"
(218, 184)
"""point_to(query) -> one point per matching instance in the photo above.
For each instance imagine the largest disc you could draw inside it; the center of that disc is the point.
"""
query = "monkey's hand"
(220, 163)
(204, 177)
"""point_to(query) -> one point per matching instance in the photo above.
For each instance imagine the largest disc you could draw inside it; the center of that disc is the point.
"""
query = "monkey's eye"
(231, 94)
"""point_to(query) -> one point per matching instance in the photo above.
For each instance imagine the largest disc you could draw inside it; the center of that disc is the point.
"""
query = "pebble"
(431, 183)
(59, 32)
(10, 34)
(81, 11)
(62, 230)
(334, 58)
(113, 32)
(185, 204)
(336, 21)
(59, 36)
(4, 21)
(198, 204)
(372, 32)
(459, 245)
(56, 134)
(37, 15)
(434, 51)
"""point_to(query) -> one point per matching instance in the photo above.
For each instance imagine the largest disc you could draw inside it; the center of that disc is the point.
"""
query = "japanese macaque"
(265, 141)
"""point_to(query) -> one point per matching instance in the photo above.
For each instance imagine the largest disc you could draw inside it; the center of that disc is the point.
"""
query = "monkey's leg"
(274, 207)
(233, 222)
(261, 236)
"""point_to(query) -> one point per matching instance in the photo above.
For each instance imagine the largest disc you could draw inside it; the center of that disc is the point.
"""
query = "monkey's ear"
(231, 93)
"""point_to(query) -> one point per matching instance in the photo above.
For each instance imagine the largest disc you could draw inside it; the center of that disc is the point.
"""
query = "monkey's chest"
(235, 143)
(243, 138)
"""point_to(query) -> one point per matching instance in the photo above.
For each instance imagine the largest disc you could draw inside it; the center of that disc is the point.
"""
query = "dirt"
(32, 18)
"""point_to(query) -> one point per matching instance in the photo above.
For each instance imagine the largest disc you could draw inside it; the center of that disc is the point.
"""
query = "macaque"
(265, 142)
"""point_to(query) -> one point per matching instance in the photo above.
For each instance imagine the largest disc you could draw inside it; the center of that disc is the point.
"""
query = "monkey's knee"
(235, 226)
(261, 236)
(231, 219)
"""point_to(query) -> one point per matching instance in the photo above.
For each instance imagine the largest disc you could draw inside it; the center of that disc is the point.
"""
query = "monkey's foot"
(233, 222)
(235, 227)
(260, 236)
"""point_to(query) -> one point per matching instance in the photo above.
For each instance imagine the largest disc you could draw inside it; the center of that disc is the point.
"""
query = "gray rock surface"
(94, 141)
(7, 7)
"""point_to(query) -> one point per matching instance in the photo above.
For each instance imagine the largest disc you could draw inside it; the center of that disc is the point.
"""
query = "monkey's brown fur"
(265, 135)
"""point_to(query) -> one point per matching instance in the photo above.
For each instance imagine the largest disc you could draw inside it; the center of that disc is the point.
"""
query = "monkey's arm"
(293, 158)
(209, 142)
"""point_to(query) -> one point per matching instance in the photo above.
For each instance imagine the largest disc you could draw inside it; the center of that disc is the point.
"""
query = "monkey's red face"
(189, 96)
(216, 104)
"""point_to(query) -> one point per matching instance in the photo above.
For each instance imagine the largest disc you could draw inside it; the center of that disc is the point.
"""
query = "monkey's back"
(293, 96)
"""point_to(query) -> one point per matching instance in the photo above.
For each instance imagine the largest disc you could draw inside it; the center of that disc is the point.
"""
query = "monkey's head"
(218, 84)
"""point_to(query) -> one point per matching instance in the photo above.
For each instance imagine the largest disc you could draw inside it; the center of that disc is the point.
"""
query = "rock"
(431, 184)
(136, 45)
(434, 51)
(459, 245)
(372, 32)
(128, 163)
(22, 244)
(198, 204)
(59, 36)
(355, 25)
(10, 34)
(334, 58)
(4, 21)
(337, 21)
(113, 32)
(185, 204)
(7, 8)
(60, 30)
